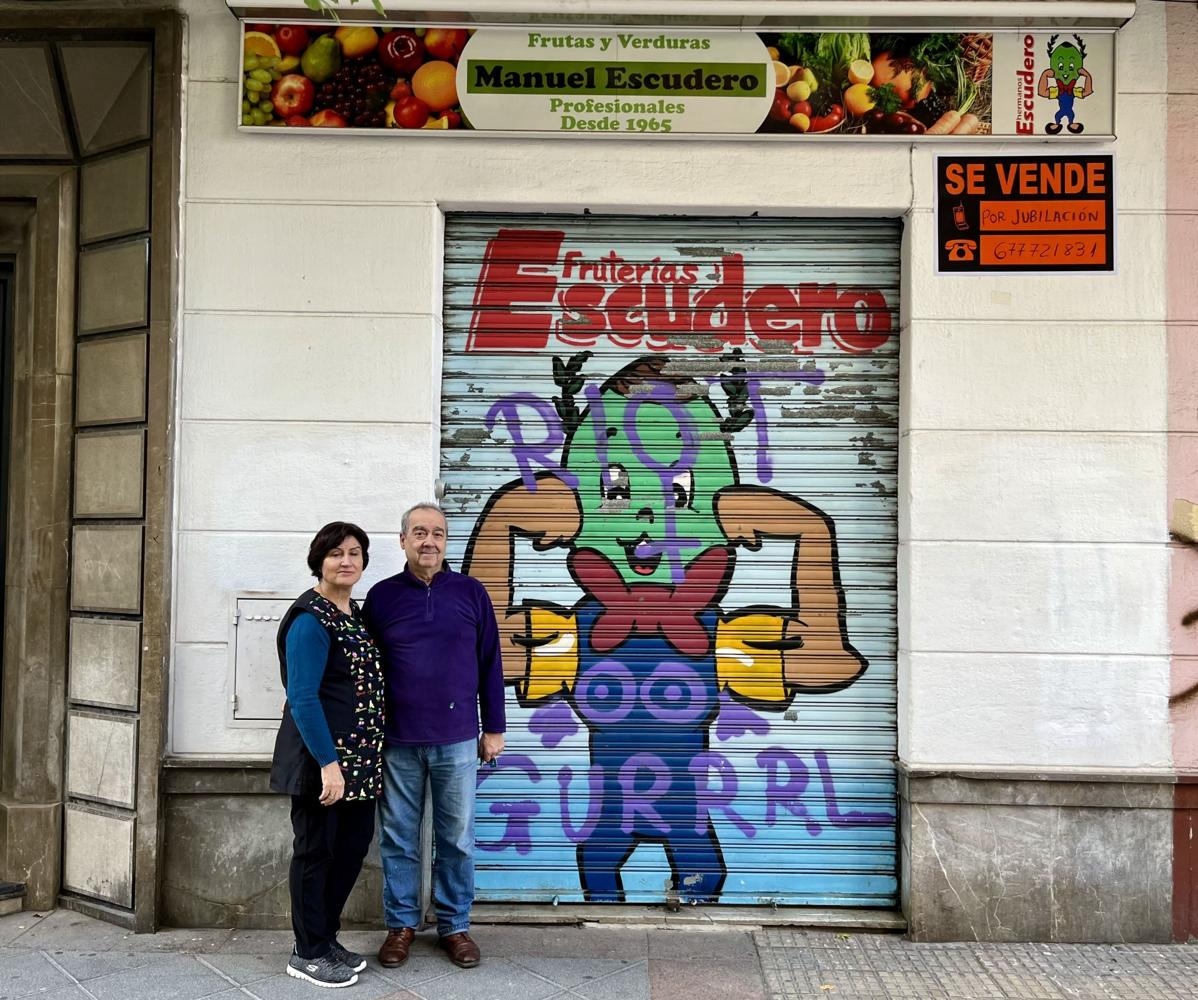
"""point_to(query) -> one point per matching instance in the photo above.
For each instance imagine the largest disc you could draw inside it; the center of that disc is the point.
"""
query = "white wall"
(1032, 553)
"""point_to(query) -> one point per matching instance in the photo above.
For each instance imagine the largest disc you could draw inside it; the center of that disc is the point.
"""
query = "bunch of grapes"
(260, 75)
(358, 91)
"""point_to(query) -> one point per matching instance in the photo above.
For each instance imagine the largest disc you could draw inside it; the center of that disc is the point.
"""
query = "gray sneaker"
(350, 959)
(323, 971)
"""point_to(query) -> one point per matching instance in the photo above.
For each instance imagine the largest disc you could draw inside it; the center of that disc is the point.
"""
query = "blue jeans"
(452, 772)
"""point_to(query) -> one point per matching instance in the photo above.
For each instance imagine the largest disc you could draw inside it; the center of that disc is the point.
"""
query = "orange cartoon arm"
(549, 516)
(816, 654)
(1042, 86)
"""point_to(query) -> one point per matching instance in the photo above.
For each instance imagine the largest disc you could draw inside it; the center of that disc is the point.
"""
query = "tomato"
(781, 109)
(293, 94)
(401, 52)
(454, 119)
(298, 121)
(410, 112)
(445, 43)
(401, 90)
(292, 39)
(802, 108)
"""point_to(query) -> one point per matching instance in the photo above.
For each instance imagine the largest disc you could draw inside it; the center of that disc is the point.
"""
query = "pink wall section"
(1182, 288)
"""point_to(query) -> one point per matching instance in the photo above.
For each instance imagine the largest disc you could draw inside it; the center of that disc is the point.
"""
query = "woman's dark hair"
(329, 537)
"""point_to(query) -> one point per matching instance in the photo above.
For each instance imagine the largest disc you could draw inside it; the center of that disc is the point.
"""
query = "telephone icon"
(961, 250)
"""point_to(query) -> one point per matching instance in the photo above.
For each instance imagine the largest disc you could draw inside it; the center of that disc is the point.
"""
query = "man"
(439, 640)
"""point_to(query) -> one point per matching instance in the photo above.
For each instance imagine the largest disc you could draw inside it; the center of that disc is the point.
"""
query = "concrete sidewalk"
(65, 956)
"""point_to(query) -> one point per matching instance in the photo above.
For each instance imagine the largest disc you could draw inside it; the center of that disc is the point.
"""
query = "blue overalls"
(648, 708)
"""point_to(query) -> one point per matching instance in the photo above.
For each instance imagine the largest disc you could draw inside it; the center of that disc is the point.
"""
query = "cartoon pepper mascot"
(1065, 79)
(652, 513)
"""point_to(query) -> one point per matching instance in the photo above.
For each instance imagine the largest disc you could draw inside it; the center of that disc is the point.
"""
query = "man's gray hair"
(407, 514)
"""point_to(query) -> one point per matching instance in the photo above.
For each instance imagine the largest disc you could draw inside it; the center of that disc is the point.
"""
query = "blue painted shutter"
(745, 793)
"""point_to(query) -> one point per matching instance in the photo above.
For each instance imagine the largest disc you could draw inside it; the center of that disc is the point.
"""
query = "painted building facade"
(937, 658)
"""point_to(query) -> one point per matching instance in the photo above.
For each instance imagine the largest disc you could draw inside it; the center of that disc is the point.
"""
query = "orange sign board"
(1025, 214)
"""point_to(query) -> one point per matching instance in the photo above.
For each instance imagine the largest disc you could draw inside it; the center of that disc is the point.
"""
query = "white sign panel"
(619, 81)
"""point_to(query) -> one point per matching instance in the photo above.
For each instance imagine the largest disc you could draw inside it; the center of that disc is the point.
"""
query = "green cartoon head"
(1066, 59)
(650, 453)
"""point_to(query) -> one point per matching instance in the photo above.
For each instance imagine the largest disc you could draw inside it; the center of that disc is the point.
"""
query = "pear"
(321, 59)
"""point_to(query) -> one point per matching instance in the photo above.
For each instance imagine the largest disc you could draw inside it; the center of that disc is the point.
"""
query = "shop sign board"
(658, 83)
(1025, 214)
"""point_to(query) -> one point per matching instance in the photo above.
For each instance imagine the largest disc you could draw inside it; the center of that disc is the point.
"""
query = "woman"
(328, 755)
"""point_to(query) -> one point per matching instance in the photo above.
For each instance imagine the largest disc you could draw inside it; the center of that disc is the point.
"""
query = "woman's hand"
(332, 783)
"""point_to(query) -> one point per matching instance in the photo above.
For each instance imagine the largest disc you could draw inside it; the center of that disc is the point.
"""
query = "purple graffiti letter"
(785, 792)
(710, 799)
(594, 803)
(643, 801)
(527, 453)
(851, 817)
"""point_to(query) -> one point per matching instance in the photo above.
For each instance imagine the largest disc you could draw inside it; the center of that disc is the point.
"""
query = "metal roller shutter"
(669, 449)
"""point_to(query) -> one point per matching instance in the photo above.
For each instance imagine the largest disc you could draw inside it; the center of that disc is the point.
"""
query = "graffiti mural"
(669, 622)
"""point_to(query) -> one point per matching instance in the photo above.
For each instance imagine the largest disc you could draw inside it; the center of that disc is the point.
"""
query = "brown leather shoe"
(462, 951)
(394, 951)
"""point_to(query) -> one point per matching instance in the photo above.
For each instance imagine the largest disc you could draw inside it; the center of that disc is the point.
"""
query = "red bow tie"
(647, 608)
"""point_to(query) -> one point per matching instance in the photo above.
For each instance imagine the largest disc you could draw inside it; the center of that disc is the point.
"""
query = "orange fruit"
(781, 74)
(436, 84)
(259, 43)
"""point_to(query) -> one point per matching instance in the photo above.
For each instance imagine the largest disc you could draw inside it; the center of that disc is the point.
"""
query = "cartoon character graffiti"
(1065, 80)
(648, 503)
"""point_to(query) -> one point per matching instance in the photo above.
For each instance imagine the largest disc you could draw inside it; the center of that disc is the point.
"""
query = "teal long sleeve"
(307, 654)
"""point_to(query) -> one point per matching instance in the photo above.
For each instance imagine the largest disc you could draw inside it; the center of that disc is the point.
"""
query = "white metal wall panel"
(669, 450)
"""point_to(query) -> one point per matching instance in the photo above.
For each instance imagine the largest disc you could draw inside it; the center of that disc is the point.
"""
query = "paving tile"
(66, 930)
(180, 977)
(25, 973)
(562, 942)
(425, 962)
(631, 984)
(13, 925)
(61, 993)
(241, 942)
(246, 969)
(732, 945)
(495, 978)
(570, 972)
(714, 979)
(85, 965)
(370, 986)
(179, 940)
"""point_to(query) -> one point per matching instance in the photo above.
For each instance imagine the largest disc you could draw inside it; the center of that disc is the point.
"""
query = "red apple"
(292, 39)
(445, 43)
(328, 118)
(293, 94)
(410, 112)
(781, 109)
(297, 121)
(401, 52)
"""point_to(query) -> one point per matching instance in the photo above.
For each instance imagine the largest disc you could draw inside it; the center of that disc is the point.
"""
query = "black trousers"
(330, 844)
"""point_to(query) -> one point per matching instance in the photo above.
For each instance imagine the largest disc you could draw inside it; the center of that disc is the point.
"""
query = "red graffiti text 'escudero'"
(528, 292)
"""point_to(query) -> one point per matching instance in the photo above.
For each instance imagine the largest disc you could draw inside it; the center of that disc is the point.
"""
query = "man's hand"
(490, 746)
(332, 784)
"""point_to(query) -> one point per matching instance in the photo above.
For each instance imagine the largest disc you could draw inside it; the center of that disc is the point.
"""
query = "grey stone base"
(1044, 857)
(227, 850)
(30, 849)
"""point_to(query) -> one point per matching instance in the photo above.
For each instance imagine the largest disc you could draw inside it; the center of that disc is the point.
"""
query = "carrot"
(968, 125)
(945, 123)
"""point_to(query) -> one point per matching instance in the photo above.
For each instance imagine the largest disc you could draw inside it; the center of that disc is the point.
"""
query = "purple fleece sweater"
(440, 646)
